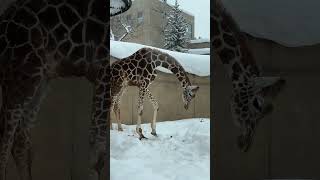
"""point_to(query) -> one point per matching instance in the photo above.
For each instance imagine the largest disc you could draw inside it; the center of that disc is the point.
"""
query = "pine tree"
(175, 32)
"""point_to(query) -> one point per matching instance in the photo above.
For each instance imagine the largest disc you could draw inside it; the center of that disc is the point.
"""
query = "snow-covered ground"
(180, 152)
(192, 63)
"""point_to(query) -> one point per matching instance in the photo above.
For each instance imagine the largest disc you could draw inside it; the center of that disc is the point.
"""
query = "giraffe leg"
(11, 117)
(155, 111)
(116, 110)
(98, 131)
(22, 153)
(142, 92)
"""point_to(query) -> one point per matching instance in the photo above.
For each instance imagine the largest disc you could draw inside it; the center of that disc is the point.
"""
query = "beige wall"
(287, 142)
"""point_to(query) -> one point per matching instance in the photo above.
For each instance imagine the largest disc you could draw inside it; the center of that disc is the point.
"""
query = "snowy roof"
(192, 63)
(200, 41)
(289, 22)
(200, 51)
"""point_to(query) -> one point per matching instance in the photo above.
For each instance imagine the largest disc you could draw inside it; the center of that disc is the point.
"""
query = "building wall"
(149, 32)
(286, 143)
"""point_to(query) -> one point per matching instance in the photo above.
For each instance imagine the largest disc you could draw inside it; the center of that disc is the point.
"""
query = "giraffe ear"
(194, 88)
(269, 84)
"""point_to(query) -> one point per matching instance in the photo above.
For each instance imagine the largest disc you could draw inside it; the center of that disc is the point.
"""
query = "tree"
(176, 29)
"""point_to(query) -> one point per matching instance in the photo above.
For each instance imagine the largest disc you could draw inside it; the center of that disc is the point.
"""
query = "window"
(189, 31)
(140, 17)
(129, 18)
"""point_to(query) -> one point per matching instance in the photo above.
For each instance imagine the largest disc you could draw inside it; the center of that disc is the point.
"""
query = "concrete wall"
(287, 142)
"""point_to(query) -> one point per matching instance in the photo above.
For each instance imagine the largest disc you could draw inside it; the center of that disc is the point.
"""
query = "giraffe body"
(252, 93)
(139, 70)
(41, 40)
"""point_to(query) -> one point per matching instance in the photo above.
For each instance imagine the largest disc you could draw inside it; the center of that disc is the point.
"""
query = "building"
(146, 21)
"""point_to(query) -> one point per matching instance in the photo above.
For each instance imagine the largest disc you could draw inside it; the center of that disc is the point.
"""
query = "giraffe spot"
(34, 59)
(36, 38)
(225, 26)
(226, 55)
(77, 53)
(65, 48)
(145, 73)
(158, 63)
(216, 28)
(216, 43)
(230, 40)
(162, 57)
(154, 57)
(94, 32)
(142, 63)
(100, 89)
(22, 51)
(24, 17)
(54, 2)
(52, 43)
(180, 78)
(165, 64)
(99, 9)
(3, 44)
(153, 77)
(102, 53)
(236, 68)
(36, 5)
(131, 66)
(76, 33)
(16, 34)
(125, 67)
(80, 6)
(147, 56)
(138, 57)
(68, 16)
(149, 68)
(49, 18)
(3, 27)
(60, 32)
(143, 51)
(139, 71)
(174, 70)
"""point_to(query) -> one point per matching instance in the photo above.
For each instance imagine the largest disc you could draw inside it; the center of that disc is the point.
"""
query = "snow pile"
(200, 41)
(200, 51)
(289, 22)
(192, 63)
(180, 152)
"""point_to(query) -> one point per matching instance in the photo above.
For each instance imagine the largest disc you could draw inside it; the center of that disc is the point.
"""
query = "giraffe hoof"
(154, 134)
(142, 137)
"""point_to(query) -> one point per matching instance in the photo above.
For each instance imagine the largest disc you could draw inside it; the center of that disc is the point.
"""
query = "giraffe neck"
(167, 61)
(65, 29)
(230, 44)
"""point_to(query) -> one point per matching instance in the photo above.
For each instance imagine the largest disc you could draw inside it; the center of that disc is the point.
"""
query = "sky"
(201, 11)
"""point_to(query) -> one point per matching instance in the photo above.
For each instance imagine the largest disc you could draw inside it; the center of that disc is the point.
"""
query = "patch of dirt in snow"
(180, 152)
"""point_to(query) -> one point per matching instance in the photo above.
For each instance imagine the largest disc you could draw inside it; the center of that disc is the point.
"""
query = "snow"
(200, 51)
(289, 22)
(192, 63)
(180, 152)
(200, 41)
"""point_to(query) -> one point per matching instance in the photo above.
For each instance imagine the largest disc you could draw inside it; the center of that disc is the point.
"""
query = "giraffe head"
(188, 94)
(252, 102)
